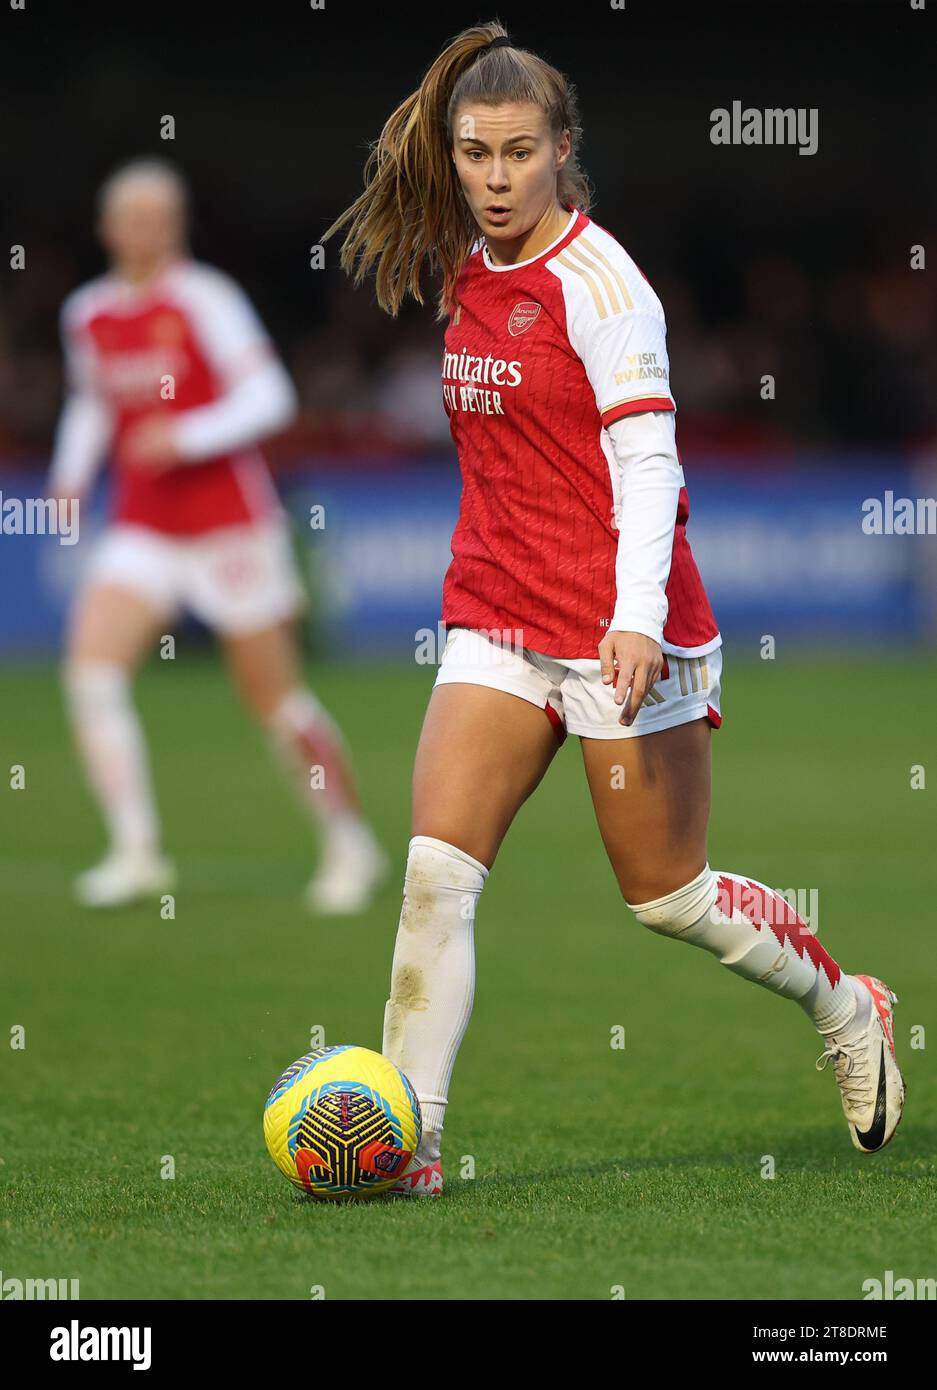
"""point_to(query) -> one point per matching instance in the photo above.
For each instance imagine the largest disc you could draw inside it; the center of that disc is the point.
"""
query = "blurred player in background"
(573, 602)
(170, 371)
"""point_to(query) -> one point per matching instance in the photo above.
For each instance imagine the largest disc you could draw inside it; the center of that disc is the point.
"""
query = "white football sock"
(110, 740)
(433, 974)
(756, 933)
(309, 741)
(848, 1022)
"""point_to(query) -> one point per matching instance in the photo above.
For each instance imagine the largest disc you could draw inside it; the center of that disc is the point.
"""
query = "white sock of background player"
(110, 740)
(311, 744)
(433, 975)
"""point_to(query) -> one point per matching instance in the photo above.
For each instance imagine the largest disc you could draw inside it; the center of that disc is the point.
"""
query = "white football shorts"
(236, 579)
(572, 694)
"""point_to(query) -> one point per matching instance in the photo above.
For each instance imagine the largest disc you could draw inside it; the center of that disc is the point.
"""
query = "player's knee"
(435, 870)
(94, 686)
(291, 712)
(674, 912)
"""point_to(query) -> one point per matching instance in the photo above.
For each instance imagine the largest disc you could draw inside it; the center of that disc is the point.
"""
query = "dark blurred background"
(766, 261)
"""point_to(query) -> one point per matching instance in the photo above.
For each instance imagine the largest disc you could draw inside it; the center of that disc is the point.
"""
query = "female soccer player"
(573, 603)
(170, 368)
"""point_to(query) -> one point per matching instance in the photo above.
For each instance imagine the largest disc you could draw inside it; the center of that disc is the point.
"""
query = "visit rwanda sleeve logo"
(522, 316)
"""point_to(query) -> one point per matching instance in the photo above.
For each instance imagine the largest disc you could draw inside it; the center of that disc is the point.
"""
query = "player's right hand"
(637, 661)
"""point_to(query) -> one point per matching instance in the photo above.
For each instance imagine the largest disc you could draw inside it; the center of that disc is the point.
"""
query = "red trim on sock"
(318, 750)
(763, 907)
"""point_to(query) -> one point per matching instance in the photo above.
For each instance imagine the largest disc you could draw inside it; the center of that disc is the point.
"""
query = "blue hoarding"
(791, 553)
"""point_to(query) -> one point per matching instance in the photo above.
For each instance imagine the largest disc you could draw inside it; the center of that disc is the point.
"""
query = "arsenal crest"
(522, 316)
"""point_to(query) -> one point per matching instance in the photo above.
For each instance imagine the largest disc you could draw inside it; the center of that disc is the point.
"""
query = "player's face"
(508, 159)
(142, 226)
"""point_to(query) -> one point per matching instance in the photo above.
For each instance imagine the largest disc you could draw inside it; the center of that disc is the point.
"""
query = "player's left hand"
(637, 661)
(150, 444)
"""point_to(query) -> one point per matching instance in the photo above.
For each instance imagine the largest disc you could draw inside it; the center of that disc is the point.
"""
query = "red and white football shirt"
(177, 344)
(539, 358)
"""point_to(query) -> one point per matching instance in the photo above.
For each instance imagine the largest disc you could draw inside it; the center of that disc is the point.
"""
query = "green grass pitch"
(595, 1169)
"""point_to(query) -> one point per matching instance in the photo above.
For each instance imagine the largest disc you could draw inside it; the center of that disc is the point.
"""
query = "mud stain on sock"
(406, 998)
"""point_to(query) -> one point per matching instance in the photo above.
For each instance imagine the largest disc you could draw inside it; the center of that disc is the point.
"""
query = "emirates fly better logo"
(522, 316)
